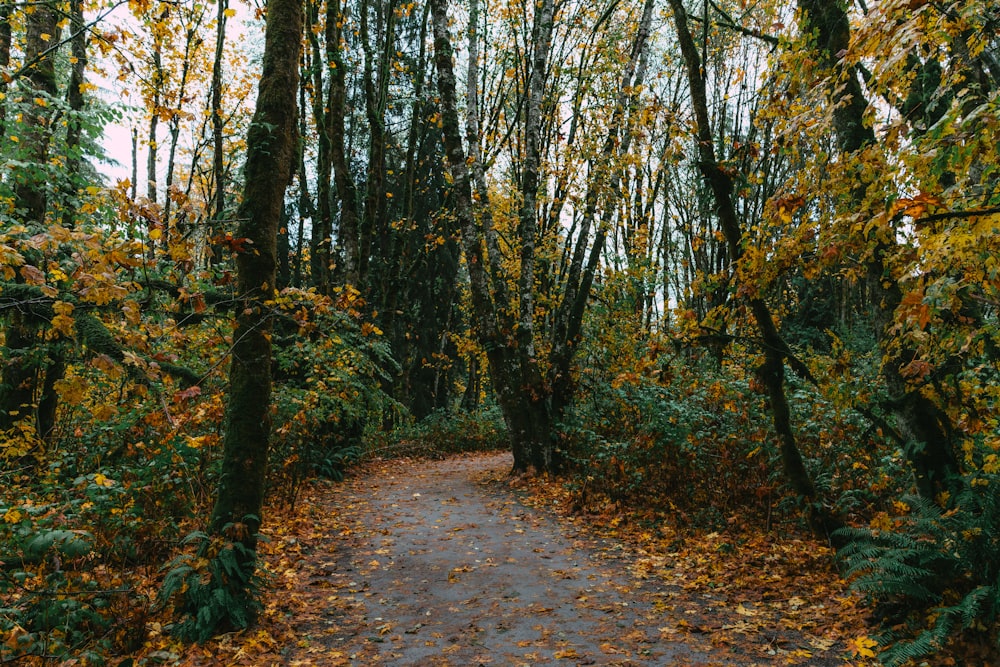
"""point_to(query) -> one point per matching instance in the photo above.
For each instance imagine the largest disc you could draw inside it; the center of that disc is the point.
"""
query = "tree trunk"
(6, 12)
(151, 141)
(772, 371)
(30, 190)
(218, 207)
(74, 97)
(924, 426)
(322, 224)
(23, 365)
(269, 167)
(175, 132)
(487, 327)
(373, 232)
(348, 238)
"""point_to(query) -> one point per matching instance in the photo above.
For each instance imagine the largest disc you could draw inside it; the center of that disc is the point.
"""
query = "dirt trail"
(435, 564)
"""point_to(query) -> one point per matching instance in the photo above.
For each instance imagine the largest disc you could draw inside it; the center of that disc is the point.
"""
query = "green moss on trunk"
(270, 153)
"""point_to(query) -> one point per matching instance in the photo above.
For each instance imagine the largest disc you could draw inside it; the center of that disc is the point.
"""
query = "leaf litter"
(453, 562)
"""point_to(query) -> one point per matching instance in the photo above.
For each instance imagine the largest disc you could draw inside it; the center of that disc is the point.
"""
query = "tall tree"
(24, 361)
(923, 425)
(533, 382)
(775, 350)
(6, 13)
(269, 167)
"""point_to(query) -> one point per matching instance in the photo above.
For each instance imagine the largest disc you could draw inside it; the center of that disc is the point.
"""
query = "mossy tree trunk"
(925, 427)
(6, 10)
(269, 167)
(24, 359)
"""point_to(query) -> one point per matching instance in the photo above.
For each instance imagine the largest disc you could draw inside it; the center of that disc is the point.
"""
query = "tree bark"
(373, 232)
(269, 167)
(776, 351)
(925, 427)
(30, 190)
(218, 126)
(322, 224)
(24, 364)
(6, 12)
(348, 236)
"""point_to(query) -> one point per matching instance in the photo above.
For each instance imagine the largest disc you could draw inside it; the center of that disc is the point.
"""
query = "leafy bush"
(214, 588)
(700, 448)
(329, 389)
(443, 433)
(695, 439)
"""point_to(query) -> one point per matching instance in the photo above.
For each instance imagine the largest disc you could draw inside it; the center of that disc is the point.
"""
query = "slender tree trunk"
(348, 236)
(568, 319)
(175, 133)
(269, 167)
(533, 421)
(6, 13)
(322, 224)
(30, 190)
(218, 128)
(151, 141)
(74, 98)
(495, 342)
(305, 207)
(772, 371)
(134, 191)
(22, 366)
(373, 232)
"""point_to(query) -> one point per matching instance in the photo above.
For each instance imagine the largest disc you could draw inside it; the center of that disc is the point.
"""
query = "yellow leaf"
(862, 646)
(101, 480)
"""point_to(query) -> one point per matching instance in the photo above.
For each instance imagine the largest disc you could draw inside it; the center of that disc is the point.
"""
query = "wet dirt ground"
(439, 563)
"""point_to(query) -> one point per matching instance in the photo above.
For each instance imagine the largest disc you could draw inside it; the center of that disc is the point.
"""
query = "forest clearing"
(687, 312)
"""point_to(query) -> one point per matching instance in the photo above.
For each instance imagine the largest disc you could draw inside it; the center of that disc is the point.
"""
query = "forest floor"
(453, 562)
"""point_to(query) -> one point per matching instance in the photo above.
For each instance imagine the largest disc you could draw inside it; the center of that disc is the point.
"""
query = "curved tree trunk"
(772, 371)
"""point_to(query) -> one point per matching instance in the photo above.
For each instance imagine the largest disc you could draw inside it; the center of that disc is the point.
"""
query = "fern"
(214, 589)
(941, 565)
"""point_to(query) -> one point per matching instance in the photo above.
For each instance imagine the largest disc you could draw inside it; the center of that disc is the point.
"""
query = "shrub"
(933, 572)
(214, 587)
(443, 433)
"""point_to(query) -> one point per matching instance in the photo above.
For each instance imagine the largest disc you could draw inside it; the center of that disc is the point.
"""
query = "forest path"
(441, 563)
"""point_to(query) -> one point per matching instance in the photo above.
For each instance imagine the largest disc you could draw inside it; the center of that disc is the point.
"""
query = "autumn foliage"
(728, 268)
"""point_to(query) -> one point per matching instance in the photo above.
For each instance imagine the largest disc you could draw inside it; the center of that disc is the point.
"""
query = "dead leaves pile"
(772, 597)
(778, 591)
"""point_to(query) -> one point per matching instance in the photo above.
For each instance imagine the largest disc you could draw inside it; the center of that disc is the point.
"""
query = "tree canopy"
(714, 259)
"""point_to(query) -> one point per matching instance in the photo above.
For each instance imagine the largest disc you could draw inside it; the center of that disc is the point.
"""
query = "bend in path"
(435, 565)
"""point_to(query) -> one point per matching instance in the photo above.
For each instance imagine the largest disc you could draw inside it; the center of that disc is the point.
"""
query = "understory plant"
(933, 572)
